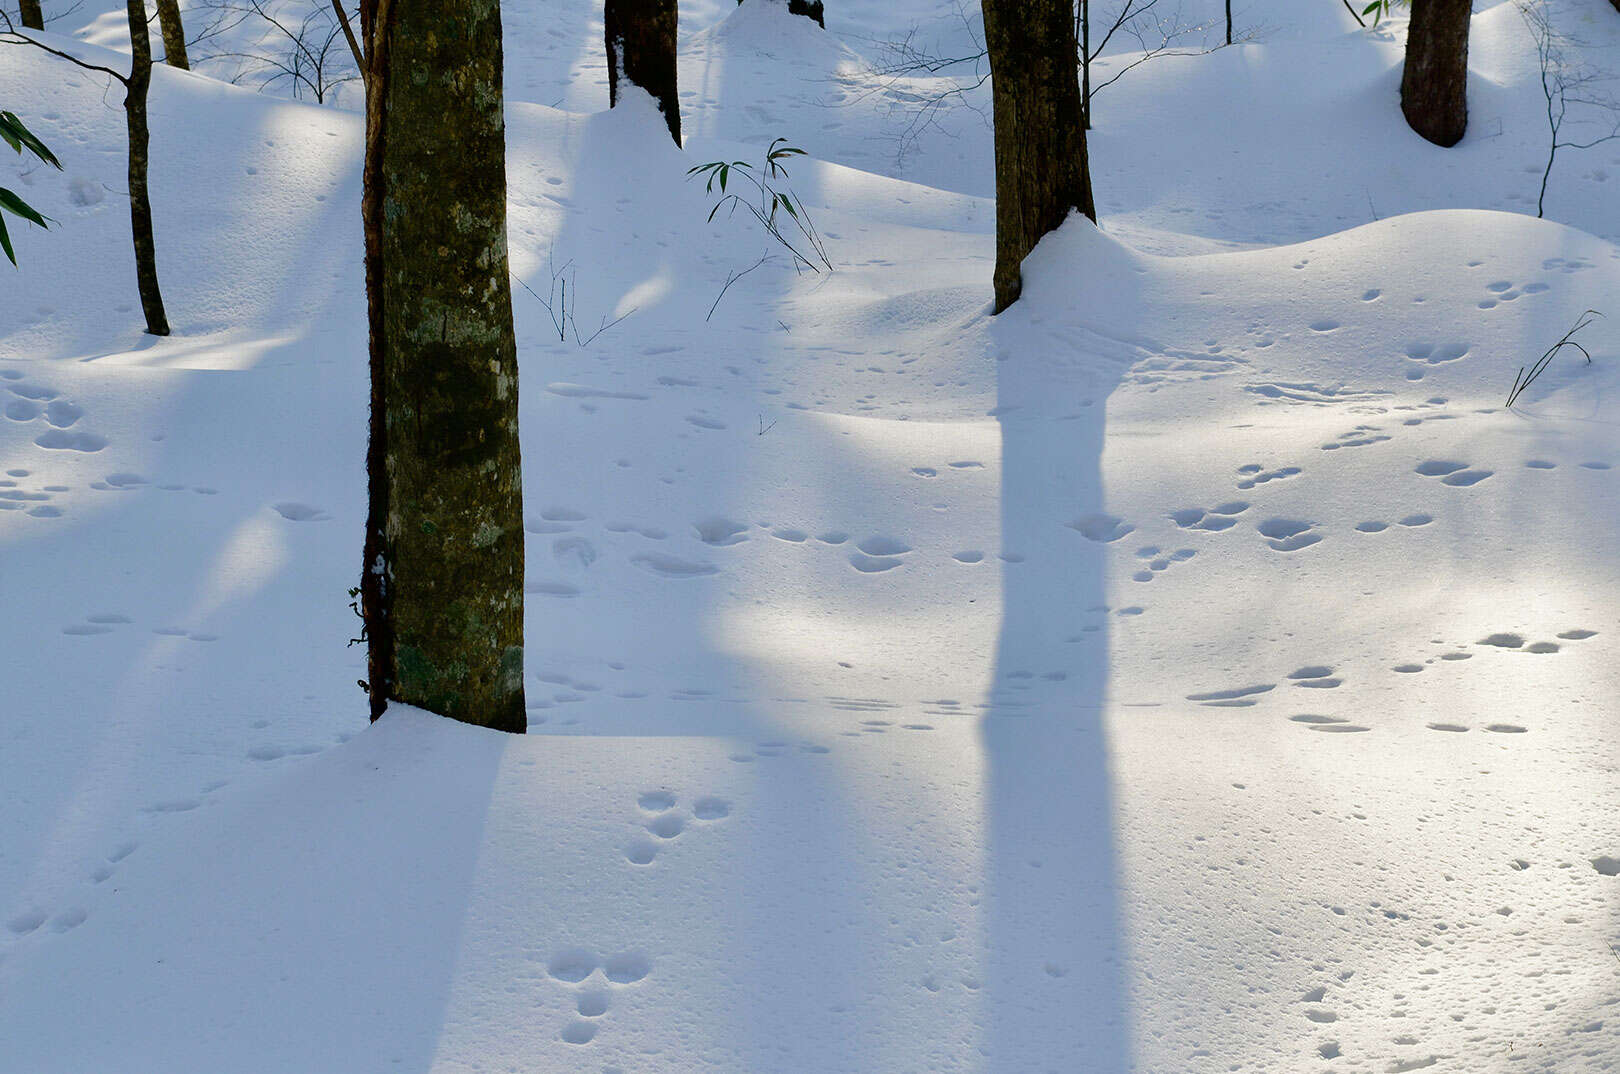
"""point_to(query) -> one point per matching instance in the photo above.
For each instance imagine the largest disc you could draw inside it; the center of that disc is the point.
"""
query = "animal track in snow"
(581, 391)
(61, 440)
(1101, 528)
(1252, 474)
(652, 533)
(717, 530)
(1436, 354)
(1452, 473)
(1215, 519)
(1158, 561)
(666, 823)
(1360, 436)
(667, 566)
(1315, 676)
(577, 968)
(1238, 697)
(873, 555)
(1308, 392)
(1288, 534)
(1330, 724)
(293, 511)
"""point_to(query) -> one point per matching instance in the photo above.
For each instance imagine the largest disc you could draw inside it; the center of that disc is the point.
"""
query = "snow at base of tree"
(1194, 668)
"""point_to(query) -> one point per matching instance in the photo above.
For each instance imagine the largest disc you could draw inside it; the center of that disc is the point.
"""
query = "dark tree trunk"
(810, 9)
(442, 581)
(140, 205)
(174, 34)
(32, 17)
(816, 9)
(1434, 83)
(641, 50)
(1041, 169)
(1085, 63)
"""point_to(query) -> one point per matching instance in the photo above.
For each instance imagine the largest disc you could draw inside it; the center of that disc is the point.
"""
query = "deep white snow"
(1193, 669)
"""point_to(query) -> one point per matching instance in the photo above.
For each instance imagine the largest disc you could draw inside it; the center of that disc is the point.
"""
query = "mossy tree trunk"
(174, 34)
(32, 17)
(1041, 170)
(1434, 81)
(140, 204)
(641, 50)
(442, 585)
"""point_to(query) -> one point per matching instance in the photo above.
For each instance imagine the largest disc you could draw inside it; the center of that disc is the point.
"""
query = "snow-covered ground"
(1193, 669)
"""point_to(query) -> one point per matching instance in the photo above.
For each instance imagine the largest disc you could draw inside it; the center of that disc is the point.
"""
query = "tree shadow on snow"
(1054, 995)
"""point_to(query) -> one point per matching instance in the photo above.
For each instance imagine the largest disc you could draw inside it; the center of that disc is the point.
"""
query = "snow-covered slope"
(1194, 668)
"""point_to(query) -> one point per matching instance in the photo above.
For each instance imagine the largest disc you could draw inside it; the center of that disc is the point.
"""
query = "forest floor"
(1196, 668)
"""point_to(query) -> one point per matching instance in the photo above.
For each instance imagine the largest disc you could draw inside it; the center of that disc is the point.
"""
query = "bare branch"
(10, 35)
(348, 32)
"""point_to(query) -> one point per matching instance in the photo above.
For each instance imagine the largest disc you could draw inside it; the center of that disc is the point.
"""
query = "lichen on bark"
(445, 616)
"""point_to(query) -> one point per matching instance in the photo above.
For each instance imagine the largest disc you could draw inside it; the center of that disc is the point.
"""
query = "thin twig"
(732, 278)
(1521, 382)
(13, 36)
(348, 32)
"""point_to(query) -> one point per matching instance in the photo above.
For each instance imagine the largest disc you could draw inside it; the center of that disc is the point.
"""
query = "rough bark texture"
(174, 34)
(1434, 83)
(34, 19)
(140, 205)
(816, 9)
(641, 49)
(1041, 169)
(442, 588)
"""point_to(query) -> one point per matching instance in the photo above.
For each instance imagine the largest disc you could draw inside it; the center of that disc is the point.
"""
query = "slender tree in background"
(641, 50)
(140, 203)
(1434, 83)
(442, 584)
(135, 84)
(174, 34)
(32, 17)
(1041, 170)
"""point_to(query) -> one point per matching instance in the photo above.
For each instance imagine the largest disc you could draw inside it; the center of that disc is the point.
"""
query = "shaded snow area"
(1194, 669)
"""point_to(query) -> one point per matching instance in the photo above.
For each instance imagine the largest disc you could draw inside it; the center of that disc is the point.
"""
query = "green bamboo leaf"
(8, 200)
(17, 135)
